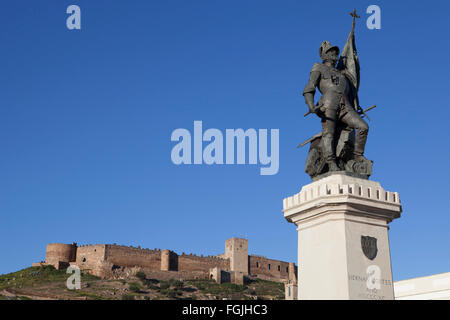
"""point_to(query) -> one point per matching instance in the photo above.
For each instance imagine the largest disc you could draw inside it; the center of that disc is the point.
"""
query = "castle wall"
(110, 260)
(196, 263)
(94, 257)
(179, 275)
(129, 257)
(268, 268)
(90, 257)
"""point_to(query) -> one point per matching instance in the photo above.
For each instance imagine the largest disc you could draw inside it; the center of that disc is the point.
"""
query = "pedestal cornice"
(340, 193)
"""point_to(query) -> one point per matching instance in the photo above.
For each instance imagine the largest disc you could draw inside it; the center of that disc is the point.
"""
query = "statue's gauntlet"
(309, 99)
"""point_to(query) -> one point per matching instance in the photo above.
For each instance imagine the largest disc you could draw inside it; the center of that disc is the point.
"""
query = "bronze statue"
(338, 147)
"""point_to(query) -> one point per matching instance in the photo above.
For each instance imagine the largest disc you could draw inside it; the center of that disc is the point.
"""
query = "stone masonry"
(116, 261)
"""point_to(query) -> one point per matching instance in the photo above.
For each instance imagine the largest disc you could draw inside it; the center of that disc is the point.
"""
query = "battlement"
(342, 186)
(257, 256)
(135, 249)
(103, 259)
(195, 256)
(155, 250)
(90, 245)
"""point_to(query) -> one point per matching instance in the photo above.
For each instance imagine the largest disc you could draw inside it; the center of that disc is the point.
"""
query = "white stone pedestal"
(332, 215)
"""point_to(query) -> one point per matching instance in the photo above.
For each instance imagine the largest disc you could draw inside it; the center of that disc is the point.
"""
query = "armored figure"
(340, 146)
(334, 105)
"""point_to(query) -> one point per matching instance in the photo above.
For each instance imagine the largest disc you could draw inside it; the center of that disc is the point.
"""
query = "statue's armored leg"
(353, 120)
(328, 130)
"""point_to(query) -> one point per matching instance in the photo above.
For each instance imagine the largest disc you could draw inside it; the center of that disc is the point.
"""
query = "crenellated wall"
(193, 262)
(90, 257)
(268, 268)
(105, 260)
(130, 257)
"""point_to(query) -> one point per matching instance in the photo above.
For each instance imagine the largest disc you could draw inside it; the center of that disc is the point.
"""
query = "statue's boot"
(332, 166)
(360, 143)
(360, 158)
(328, 152)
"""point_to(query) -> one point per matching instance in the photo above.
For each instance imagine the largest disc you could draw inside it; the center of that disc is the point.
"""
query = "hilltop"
(47, 283)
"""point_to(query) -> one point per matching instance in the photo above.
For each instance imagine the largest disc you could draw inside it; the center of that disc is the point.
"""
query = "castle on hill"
(111, 261)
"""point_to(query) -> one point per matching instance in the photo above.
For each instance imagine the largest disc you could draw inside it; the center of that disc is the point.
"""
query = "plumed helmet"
(325, 47)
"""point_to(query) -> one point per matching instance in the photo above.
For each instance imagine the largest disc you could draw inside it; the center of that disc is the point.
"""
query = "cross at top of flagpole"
(354, 15)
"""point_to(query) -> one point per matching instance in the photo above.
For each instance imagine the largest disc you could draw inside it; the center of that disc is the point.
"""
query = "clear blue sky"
(86, 118)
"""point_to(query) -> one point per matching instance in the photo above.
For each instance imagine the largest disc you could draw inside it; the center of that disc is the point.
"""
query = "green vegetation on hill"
(35, 276)
(47, 282)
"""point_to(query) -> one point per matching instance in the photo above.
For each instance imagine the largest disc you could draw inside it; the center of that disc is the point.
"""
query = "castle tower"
(60, 254)
(236, 249)
(292, 274)
(169, 260)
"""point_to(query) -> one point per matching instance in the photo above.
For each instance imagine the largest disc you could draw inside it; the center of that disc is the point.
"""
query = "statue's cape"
(349, 65)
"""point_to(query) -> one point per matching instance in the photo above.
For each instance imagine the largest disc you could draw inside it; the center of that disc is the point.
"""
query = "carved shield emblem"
(369, 247)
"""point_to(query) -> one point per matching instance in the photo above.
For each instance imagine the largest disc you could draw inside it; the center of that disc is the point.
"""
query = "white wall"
(434, 287)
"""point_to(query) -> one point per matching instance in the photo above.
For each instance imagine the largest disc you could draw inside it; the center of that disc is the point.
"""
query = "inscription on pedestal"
(373, 283)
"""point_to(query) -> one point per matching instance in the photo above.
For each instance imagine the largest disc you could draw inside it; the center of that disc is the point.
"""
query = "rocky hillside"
(47, 283)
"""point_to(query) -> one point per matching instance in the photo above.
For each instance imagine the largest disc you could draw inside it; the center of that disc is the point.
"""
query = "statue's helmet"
(325, 48)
